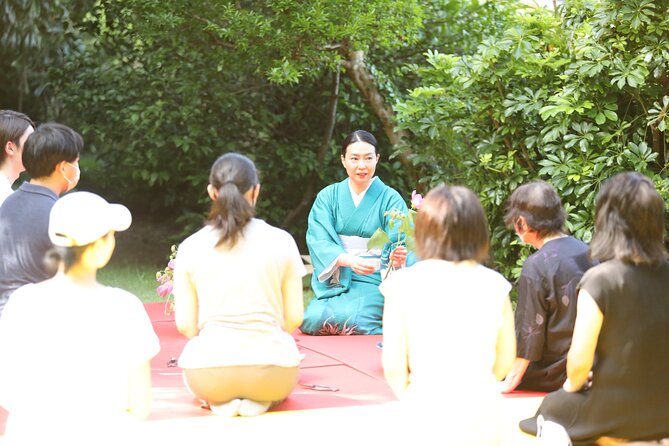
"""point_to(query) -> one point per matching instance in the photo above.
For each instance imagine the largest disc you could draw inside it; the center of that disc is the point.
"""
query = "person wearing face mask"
(51, 159)
(343, 218)
(547, 288)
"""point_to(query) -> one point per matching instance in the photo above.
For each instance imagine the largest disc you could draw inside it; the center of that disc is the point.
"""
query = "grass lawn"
(140, 252)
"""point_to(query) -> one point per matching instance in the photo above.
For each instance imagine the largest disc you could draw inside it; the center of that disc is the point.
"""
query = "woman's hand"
(359, 265)
(398, 257)
(568, 387)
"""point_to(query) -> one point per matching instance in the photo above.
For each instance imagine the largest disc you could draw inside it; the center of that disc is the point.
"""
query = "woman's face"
(360, 163)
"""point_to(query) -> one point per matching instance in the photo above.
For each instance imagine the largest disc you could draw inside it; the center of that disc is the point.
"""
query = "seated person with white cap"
(76, 354)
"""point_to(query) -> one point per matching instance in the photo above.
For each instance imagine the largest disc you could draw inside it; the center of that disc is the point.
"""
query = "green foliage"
(35, 35)
(405, 230)
(571, 97)
(164, 87)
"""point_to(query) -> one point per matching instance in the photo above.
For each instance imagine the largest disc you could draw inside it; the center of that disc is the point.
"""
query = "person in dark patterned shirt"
(547, 288)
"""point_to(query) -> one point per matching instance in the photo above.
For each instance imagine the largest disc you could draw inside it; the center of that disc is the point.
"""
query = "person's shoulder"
(29, 190)
(533, 261)
(573, 244)
(493, 276)
(28, 297)
(120, 297)
(272, 232)
(29, 290)
(613, 268)
(196, 238)
(389, 194)
(331, 189)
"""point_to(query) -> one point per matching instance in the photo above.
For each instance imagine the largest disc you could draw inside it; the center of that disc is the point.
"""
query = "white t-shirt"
(448, 315)
(239, 295)
(67, 353)
(5, 188)
(445, 317)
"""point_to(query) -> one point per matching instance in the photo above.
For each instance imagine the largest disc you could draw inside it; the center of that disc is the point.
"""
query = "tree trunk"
(364, 81)
(310, 188)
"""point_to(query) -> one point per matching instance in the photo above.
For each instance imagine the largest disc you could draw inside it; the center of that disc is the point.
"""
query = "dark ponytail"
(68, 257)
(232, 175)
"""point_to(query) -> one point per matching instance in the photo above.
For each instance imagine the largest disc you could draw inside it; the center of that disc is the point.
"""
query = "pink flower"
(171, 264)
(416, 200)
(164, 290)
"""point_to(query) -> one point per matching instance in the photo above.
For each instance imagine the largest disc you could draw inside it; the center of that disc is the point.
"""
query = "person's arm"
(581, 356)
(398, 257)
(186, 314)
(395, 354)
(139, 391)
(186, 305)
(530, 325)
(516, 374)
(293, 303)
(506, 343)
(359, 265)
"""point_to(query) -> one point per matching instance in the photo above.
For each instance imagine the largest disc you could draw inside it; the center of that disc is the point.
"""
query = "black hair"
(451, 225)
(629, 221)
(232, 175)
(539, 204)
(358, 136)
(50, 144)
(68, 257)
(13, 125)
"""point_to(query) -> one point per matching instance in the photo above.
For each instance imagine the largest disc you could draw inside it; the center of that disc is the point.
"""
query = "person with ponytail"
(238, 298)
(76, 354)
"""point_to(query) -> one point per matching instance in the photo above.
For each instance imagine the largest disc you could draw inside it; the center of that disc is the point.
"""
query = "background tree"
(571, 97)
(162, 87)
(34, 36)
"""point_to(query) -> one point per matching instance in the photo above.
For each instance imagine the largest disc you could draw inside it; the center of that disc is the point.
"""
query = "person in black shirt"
(546, 308)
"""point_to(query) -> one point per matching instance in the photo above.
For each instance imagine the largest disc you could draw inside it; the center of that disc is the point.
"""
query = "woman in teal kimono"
(346, 274)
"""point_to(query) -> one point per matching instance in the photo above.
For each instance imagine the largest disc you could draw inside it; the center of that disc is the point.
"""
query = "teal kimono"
(345, 302)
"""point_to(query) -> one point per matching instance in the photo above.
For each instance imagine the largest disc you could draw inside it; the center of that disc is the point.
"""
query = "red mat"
(349, 364)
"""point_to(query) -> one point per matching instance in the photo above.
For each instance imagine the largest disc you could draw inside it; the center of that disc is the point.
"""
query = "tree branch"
(358, 73)
(214, 38)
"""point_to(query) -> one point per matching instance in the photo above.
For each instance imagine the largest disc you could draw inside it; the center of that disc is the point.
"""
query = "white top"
(5, 188)
(67, 353)
(447, 316)
(357, 198)
(239, 294)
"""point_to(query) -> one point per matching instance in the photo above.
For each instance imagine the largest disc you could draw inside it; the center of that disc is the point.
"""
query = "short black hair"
(50, 144)
(539, 204)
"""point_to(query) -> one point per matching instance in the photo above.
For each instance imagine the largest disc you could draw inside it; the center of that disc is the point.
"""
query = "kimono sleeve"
(324, 246)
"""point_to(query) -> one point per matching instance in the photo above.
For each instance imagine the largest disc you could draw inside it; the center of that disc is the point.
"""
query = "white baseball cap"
(80, 218)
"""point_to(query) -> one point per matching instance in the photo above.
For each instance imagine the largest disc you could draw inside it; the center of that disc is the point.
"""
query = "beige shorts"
(218, 385)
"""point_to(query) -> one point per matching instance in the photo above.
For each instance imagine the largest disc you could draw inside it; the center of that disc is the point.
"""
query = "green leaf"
(378, 240)
(610, 115)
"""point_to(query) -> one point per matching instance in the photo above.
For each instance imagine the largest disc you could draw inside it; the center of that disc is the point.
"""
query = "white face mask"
(76, 179)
